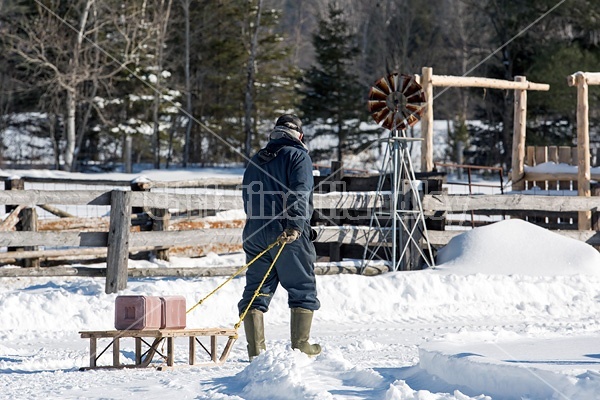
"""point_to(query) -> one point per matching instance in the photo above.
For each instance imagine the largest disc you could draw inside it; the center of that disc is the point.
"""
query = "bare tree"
(61, 48)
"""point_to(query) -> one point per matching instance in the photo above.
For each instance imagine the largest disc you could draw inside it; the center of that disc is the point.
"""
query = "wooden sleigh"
(153, 339)
(126, 314)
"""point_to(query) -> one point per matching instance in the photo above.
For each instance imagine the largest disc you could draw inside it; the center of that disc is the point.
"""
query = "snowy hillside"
(488, 322)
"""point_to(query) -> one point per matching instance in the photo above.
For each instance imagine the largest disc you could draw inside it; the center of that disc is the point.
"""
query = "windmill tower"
(398, 231)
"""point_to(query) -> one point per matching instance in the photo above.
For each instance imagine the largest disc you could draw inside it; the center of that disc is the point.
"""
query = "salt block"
(138, 312)
(173, 314)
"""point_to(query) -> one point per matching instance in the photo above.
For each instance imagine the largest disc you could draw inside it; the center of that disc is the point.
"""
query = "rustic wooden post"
(160, 222)
(427, 121)
(337, 175)
(519, 134)
(14, 183)
(29, 223)
(583, 146)
(118, 241)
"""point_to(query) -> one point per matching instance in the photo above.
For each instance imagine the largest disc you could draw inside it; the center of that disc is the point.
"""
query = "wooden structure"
(428, 81)
(140, 221)
(156, 338)
(582, 80)
(118, 240)
(343, 207)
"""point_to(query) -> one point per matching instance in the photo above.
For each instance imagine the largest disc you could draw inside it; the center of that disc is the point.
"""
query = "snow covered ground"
(511, 313)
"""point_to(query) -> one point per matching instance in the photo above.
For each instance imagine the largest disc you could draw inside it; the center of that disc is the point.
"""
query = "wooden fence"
(120, 237)
(555, 180)
(140, 221)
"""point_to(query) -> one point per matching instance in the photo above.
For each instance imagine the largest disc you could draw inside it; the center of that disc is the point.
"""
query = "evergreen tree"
(221, 33)
(331, 92)
(276, 75)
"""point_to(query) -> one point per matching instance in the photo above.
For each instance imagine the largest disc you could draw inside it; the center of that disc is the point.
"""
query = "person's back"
(277, 193)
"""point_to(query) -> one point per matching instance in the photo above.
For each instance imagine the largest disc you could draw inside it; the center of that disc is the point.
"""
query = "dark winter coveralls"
(277, 194)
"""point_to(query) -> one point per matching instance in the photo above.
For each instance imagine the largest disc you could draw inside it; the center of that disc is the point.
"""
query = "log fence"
(118, 238)
(340, 220)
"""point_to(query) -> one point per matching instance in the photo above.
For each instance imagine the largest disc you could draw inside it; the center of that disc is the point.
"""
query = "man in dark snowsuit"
(277, 193)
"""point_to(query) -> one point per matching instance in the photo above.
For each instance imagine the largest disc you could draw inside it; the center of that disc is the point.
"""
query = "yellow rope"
(257, 291)
(236, 273)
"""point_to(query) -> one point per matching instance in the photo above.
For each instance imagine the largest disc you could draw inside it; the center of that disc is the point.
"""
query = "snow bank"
(510, 366)
(74, 303)
(517, 247)
(284, 373)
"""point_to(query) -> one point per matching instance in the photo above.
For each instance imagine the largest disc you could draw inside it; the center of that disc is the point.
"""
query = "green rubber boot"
(255, 332)
(300, 331)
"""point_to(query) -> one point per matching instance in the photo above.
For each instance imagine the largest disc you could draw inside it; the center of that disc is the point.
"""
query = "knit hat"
(290, 127)
(290, 121)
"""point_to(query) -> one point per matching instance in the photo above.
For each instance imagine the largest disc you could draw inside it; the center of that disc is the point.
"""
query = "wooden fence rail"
(519, 202)
(182, 202)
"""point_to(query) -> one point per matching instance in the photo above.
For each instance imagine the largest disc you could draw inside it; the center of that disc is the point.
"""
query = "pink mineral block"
(138, 312)
(173, 312)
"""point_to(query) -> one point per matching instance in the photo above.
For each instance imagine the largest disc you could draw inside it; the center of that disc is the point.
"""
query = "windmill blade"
(382, 115)
(394, 81)
(384, 86)
(376, 105)
(377, 94)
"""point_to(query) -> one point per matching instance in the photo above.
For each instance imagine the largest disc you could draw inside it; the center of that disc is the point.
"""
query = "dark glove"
(288, 235)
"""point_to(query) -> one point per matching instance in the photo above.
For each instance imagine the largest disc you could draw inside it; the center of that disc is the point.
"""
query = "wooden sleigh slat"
(144, 360)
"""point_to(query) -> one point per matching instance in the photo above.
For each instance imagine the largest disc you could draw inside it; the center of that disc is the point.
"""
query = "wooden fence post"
(337, 174)
(160, 222)
(427, 121)
(519, 133)
(118, 241)
(580, 80)
(14, 183)
(29, 223)
(139, 185)
(583, 150)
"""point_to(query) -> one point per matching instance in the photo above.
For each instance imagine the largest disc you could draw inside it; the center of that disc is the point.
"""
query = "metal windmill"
(396, 102)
